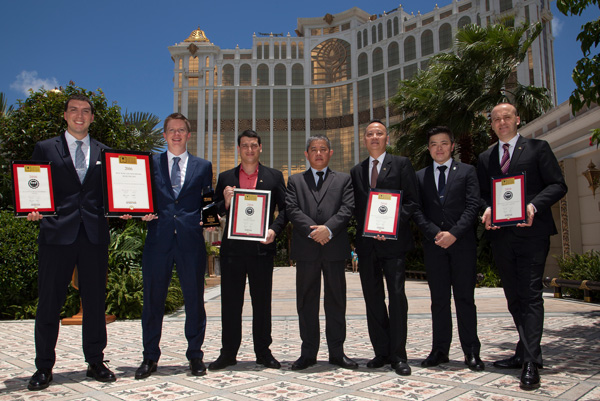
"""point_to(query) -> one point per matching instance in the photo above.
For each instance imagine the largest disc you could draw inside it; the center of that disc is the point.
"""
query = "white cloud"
(557, 26)
(29, 80)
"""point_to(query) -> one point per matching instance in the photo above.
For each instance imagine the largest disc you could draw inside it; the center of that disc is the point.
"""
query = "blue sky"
(121, 46)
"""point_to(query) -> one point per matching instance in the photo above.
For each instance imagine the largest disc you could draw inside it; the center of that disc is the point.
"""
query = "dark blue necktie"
(442, 180)
(320, 182)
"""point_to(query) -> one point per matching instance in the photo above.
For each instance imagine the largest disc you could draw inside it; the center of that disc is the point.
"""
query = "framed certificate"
(128, 183)
(249, 214)
(508, 200)
(383, 212)
(32, 188)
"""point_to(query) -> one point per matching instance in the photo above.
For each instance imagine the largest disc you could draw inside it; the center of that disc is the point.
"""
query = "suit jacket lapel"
(430, 187)
(366, 175)
(386, 166)
(164, 171)
(451, 175)
(310, 182)
(63, 150)
(327, 181)
(494, 161)
(514, 160)
(94, 156)
(190, 171)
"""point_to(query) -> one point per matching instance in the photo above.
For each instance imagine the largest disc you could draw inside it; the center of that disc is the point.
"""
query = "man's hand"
(320, 234)
(530, 215)
(227, 195)
(444, 239)
(270, 237)
(486, 219)
(34, 216)
(379, 238)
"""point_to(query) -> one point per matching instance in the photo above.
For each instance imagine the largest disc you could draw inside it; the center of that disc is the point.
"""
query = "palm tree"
(459, 88)
(4, 110)
(146, 126)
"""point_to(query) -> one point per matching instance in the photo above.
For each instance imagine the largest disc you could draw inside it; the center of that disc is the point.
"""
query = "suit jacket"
(544, 182)
(457, 211)
(75, 202)
(268, 179)
(396, 173)
(181, 214)
(332, 206)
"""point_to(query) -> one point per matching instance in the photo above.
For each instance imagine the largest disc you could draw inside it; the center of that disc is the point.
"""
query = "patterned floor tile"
(549, 387)
(281, 391)
(227, 379)
(340, 377)
(592, 395)
(406, 389)
(479, 395)
(451, 372)
(162, 391)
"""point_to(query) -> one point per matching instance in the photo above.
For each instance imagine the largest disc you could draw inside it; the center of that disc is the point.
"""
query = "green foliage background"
(580, 267)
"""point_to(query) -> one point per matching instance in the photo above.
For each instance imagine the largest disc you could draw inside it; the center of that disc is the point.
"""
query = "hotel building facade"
(334, 76)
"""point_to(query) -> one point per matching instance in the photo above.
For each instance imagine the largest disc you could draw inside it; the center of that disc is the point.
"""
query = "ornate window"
(331, 62)
(377, 59)
(393, 54)
(426, 43)
(445, 36)
(280, 74)
(410, 49)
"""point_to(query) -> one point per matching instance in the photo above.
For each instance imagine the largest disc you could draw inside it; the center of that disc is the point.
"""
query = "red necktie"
(505, 162)
(374, 174)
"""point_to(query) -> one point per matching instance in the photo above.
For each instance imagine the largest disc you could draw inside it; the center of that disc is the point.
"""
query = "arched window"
(294, 53)
(365, 38)
(207, 62)
(280, 74)
(377, 59)
(363, 64)
(426, 43)
(262, 75)
(245, 75)
(265, 50)
(410, 49)
(393, 54)
(297, 74)
(445, 36)
(331, 62)
(373, 34)
(259, 50)
(227, 75)
(464, 21)
(193, 64)
(359, 40)
(395, 26)
(380, 32)
(389, 28)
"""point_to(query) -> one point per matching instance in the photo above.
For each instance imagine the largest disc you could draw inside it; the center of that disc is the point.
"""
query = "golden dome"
(197, 36)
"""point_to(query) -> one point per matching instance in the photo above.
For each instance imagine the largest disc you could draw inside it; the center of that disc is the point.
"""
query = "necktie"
(442, 180)
(80, 165)
(374, 174)
(176, 176)
(505, 162)
(320, 182)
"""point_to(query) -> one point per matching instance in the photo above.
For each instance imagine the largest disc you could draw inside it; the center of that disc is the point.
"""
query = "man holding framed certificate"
(380, 257)
(520, 250)
(76, 236)
(244, 257)
(175, 236)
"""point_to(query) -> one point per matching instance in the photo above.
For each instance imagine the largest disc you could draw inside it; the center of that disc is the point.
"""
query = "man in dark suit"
(520, 251)
(76, 236)
(449, 198)
(248, 258)
(379, 257)
(175, 237)
(319, 204)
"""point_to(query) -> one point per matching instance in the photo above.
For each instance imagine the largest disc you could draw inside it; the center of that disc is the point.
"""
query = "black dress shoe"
(303, 363)
(530, 377)
(401, 368)
(434, 359)
(377, 362)
(473, 362)
(514, 362)
(40, 380)
(268, 361)
(100, 372)
(343, 362)
(147, 367)
(197, 367)
(221, 363)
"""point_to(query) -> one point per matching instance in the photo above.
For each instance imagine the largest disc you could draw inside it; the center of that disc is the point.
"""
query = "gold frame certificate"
(32, 188)
(508, 200)
(383, 212)
(249, 215)
(128, 183)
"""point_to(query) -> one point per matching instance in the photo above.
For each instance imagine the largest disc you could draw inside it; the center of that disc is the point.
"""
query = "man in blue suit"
(76, 236)
(449, 198)
(175, 237)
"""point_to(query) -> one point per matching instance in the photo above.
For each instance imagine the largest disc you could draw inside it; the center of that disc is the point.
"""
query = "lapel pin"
(520, 148)
(454, 168)
(384, 169)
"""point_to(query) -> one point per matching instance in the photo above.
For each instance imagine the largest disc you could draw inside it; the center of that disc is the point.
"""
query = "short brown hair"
(177, 116)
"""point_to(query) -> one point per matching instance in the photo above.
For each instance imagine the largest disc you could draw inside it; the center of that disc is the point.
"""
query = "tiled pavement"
(571, 347)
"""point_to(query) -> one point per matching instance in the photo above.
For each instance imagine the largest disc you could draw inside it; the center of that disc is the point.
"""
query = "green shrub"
(18, 267)
(580, 267)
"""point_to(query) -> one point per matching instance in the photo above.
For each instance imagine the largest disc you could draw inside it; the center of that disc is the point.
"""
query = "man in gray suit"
(319, 203)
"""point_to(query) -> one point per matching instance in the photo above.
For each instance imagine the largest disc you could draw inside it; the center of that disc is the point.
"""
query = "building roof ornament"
(328, 18)
(197, 36)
